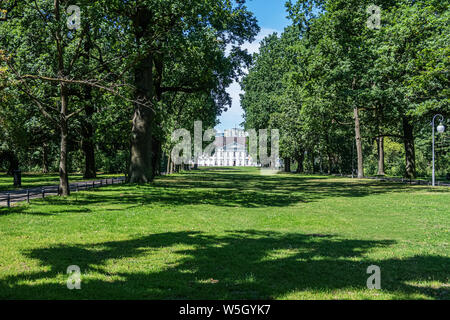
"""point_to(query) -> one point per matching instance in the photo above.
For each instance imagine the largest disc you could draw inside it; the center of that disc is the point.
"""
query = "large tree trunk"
(300, 160)
(156, 156)
(63, 175)
(169, 160)
(87, 143)
(287, 165)
(142, 158)
(320, 164)
(63, 188)
(312, 160)
(13, 162)
(88, 147)
(142, 154)
(141, 164)
(380, 143)
(410, 153)
(358, 143)
(87, 130)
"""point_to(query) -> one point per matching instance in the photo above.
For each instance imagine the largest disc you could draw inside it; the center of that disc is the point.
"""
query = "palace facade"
(230, 151)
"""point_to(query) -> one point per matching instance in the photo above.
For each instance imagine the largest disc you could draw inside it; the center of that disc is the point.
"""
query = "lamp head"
(441, 128)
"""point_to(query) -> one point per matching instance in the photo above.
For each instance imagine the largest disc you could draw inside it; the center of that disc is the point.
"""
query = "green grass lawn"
(32, 180)
(231, 234)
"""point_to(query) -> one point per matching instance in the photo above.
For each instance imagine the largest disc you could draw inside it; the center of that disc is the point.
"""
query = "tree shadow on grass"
(4, 211)
(284, 189)
(50, 211)
(235, 189)
(243, 264)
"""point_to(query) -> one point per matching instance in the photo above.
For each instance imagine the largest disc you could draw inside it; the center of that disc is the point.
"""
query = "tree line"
(108, 93)
(346, 93)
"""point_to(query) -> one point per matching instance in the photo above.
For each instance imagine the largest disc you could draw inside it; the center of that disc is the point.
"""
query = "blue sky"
(271, 16)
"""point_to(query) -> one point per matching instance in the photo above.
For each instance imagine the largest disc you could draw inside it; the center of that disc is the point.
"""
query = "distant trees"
(337, 73)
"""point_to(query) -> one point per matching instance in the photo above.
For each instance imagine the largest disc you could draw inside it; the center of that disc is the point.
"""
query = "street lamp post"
(440, 129)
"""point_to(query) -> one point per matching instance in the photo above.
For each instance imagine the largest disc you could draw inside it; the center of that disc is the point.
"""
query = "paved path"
(21, 195)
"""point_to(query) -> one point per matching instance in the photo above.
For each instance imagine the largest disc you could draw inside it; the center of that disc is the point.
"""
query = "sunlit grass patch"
(230, 234)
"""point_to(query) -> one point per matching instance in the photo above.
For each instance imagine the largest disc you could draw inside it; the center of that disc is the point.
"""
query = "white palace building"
(231, 151)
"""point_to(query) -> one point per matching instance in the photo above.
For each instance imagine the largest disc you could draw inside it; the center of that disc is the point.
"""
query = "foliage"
(396, 78)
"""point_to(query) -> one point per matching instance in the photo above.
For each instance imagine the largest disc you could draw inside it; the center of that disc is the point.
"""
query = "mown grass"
(231, 234)
(32, 180)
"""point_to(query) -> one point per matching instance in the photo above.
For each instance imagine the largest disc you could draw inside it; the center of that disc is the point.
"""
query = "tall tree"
(47, 65)
(159, 30)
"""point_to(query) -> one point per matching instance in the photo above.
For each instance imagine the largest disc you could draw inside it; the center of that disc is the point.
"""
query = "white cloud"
(233, 117)
(254, 46)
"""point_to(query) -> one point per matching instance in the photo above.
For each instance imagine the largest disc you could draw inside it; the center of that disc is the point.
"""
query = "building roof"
(221, 142)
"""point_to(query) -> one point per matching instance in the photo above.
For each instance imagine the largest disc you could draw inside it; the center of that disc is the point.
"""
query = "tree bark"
(87, 129)
(300, 160)
(63, 175)
(320, 164)
(156, 156)
(141, 163)
(13, 162)
(312, 159)
(380, 143)
(380, 140)
(287, 165)
(142, 158)
(87, 143)
(358, 143)
(88, 147)
(63, 188)
(410, 153)
(330, 163)
(169, 160)
(45, 166)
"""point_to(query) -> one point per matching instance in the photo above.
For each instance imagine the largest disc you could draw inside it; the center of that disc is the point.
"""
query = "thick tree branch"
(182, 89)
(25, 89)
(75, 113)
(113, 89)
